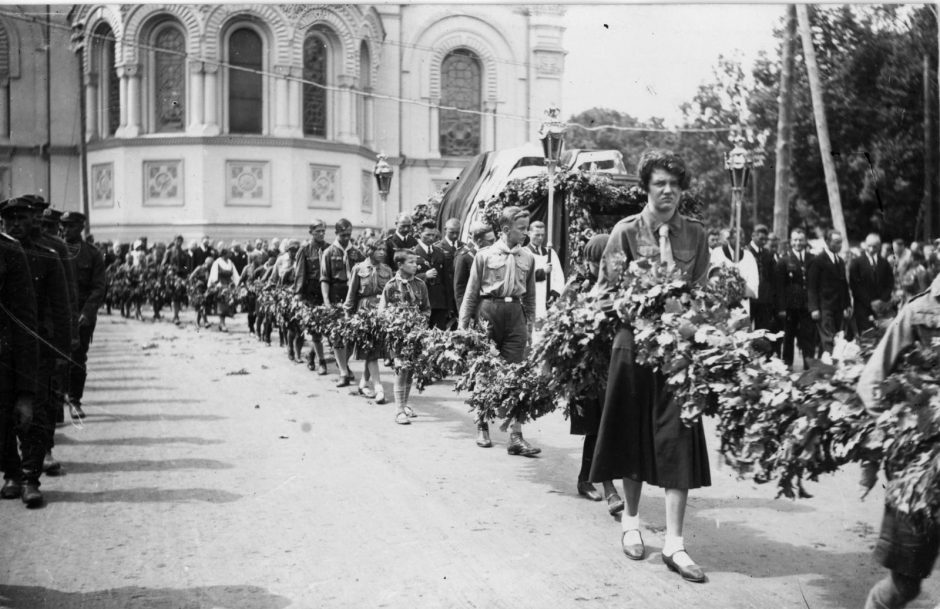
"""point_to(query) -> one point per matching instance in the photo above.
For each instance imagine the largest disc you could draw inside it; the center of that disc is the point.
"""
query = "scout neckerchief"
(404, 284)
(510, 255)
(345, 251)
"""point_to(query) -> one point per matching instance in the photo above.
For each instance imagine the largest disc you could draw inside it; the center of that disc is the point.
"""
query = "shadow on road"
(147, 418)
(136, 597)
(78, 467)
(144, 495)
(138, 441)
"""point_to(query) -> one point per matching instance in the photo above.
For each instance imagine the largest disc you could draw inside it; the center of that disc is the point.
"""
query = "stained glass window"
(108, 99)
(169, 79)
(113, 90)
(314, 111)
(461, 87)
(245, 89)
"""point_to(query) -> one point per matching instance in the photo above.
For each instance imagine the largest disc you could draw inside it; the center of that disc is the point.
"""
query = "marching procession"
(423, 306)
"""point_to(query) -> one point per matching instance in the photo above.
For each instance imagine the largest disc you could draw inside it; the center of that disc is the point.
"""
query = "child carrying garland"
(405, 289)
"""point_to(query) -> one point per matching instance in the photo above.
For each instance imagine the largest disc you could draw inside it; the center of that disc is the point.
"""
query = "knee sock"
(587, 455)
(630, 523)
(400, 392)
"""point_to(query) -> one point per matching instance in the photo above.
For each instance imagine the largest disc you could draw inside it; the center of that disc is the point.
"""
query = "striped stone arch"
(90, 19)
(463, 40)
(339, 25)
(266, 14)
(373, 33)
(9, 51)
(141, 14)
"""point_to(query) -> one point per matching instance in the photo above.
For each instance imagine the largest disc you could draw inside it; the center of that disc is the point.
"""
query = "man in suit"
(450, 245)
(827, 291)
(401, 239)
(431, 272)
(871, 281)
(791, 301)
(757, 268)
(481, 235)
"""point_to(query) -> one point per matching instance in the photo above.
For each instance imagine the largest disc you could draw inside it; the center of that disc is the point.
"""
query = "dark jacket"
(437, 293)
(463, 262)
(307, 272)
(766, 271)
(869, 283)
(89, 279)
(450, 256)
(395, 243)
(827, 288)
(19, 350)
(790, 282)
(53, 317)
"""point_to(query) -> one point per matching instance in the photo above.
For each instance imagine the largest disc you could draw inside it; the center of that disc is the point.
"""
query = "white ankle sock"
(630, 523)
(672, 545)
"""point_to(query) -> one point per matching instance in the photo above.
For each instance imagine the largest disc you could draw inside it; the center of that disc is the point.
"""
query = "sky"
(652, 58)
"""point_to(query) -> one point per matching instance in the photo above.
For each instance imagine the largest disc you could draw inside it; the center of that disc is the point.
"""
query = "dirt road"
(213, 473)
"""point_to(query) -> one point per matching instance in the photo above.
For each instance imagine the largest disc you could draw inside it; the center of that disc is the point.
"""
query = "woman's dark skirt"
(641, 434)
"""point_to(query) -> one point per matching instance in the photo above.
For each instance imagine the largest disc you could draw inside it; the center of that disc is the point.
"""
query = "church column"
(91, 107)
(345, 110)
(196, 98)
(122, 101)
(434, 128)
(132, 75)
(368, 104)
(281, 102)
(211, 99)
(294, 95)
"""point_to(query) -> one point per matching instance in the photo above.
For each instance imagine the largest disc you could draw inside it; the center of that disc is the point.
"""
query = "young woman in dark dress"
(641, 437)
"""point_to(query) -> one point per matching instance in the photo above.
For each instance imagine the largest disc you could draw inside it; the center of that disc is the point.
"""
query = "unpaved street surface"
(211, 472)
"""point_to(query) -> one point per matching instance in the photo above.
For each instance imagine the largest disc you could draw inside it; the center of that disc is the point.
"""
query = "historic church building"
(242, 120)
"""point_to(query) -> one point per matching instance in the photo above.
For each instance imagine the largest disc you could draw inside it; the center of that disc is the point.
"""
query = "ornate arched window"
(104, 70)
(363, 104)
(168, 78)
(461, 87)
(4, 83)
(314, 97)
(245, 83)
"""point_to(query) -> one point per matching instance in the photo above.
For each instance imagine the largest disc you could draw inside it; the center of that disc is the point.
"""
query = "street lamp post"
(552, 134)
(738, 162)
(383, 179)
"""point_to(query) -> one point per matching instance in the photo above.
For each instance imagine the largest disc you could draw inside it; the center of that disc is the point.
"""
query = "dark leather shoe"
(692, 573)
(31, 495)
(50, 465)
(12, 489)
(343, 381)
(518, 446)
(321, 369)
(586, 489)
(633, 551)
(614, 503)
(76, 411)
(483, 436)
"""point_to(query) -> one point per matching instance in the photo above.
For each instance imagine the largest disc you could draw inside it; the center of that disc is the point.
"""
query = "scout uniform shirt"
(336, 269)
(637, 236)
(488, 279)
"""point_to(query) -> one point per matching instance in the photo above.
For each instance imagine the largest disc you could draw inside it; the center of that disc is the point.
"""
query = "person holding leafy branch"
(369, 278)
(501, 290)
(641, 436)
(586, 413)
(405, 289)
(907, 547)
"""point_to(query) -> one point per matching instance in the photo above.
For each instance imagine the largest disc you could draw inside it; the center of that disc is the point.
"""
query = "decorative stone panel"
(324, 187)
(102, 185)
(368, 199)
(247, 183)
(163, 183)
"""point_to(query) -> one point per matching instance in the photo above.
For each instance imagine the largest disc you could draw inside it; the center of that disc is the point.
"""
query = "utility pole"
(784, 131)
(822, 127)
(928, 155)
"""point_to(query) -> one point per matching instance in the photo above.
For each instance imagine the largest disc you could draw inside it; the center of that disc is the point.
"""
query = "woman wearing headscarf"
(224, 275)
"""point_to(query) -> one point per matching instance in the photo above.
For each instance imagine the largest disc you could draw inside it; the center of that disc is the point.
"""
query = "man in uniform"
(908, 549)
(335, 270)
(431, 263)
(60, 380)
(791, 303)
(451, 246)
(307, 286)
(21, 419)
(481, 235)
(90, 279)
(177, 261)
(501, 291)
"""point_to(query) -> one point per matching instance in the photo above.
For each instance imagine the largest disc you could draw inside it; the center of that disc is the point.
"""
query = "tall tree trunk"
(928, 155)
(822, 127)
(784, 131)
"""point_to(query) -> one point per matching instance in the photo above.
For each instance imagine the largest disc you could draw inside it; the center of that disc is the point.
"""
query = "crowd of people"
(505, 276)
